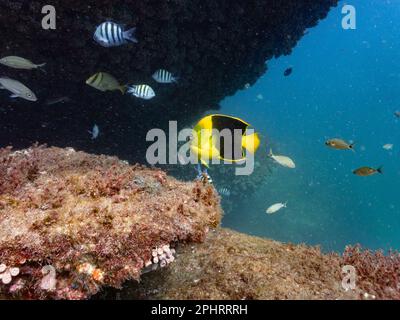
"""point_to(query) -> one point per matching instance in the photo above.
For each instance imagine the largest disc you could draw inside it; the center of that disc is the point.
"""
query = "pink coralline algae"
(72, 223)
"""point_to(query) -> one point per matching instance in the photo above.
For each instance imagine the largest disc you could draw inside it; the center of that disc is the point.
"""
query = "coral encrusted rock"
(235, 266)
(71, 223)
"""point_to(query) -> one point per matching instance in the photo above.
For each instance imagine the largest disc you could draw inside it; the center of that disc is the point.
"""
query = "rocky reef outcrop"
(72, 223)
(215, 47)
(232, 266)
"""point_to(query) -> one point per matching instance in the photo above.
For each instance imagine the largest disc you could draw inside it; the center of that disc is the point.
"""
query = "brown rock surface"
(231, 265)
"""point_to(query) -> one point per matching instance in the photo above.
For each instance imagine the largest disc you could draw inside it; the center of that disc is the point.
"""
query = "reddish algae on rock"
(71, 223)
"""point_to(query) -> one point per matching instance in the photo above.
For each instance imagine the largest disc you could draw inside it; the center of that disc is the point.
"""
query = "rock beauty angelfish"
(205, 144)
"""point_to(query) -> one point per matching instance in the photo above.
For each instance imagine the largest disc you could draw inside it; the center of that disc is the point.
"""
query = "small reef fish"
(247, 86)
(104, 81)
(283, 160)
(164, 76)
(142, 91)
(276, 207)
(288, 72)
(397, 114)
(20, 63)
(388, 146)
(17, 89)
(339, 144)
(367, 171)
(110, 34)
(57, 100)
(259, 97)
(95, 132)
(224, 192)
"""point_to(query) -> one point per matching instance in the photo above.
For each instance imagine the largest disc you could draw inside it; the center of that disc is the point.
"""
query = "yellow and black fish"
(105, 82)
(209, 140)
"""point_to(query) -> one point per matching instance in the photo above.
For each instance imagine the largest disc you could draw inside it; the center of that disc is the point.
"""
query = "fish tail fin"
(130, 35)
(351, 146)
(41, 67)
(251, 142)
(270, 154)
(380, 170)
(175, 79)
(123, 88)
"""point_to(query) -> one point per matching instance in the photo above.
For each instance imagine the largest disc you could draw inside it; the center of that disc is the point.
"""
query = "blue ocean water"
(345, 84)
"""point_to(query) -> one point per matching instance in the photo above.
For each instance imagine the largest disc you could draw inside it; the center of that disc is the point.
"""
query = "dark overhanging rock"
(215, 46)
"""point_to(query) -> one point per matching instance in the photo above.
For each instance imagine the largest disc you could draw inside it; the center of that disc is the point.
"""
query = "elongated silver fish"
(20, 63)
(17, 89)
(276, 207)
(164, 76)
(57, 100)
(111, 34)
(142, 91)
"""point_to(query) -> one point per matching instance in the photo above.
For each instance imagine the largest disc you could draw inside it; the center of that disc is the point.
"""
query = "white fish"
(388, 146)
(164, 76)
(95, 132)
(110, 34)
(142, 91)
(283, 160)
(17, 89)
(20, 63)
(276, 207)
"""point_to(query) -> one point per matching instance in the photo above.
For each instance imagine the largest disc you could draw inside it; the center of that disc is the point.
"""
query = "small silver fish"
(388, 146)
(17, 89)
(20, 63)
(95, 132)
(276, 207)
(111, 34)
(142, 91)
(57, 100)
(259, 97)
(164, 76)
(283, 160)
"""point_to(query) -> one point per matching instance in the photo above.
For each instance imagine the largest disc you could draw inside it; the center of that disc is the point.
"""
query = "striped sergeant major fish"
(111, 34)
(164, 76)
(142, 91)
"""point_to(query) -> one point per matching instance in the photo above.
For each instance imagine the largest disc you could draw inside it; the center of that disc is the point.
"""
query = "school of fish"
(110, 34)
